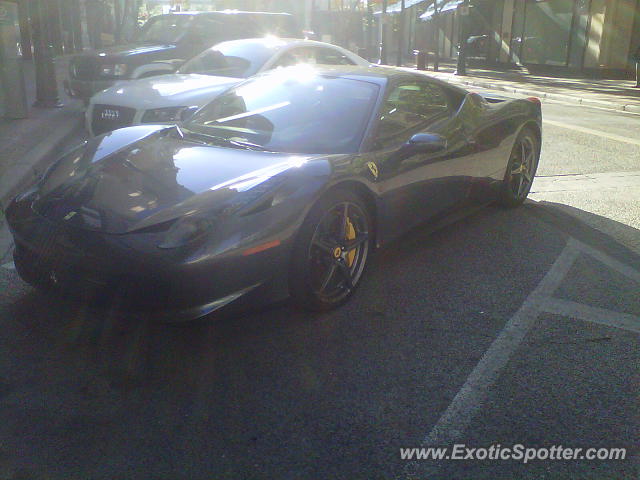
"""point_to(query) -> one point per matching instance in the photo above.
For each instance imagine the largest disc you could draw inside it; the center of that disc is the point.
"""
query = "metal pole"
(461, 68)
(46, 84)
(637, 85)
(118, 15)
(76, 25)
(11, 75)
(436, 37)
(25, 30)
(400, 36)
(383, 36)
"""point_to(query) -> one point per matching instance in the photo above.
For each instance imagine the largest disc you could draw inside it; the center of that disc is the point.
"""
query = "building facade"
(592, 36)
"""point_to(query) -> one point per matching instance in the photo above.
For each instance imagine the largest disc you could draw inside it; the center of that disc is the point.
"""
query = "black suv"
(167, 41)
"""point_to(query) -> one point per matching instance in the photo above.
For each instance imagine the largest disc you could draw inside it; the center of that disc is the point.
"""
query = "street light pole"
(400, 35)
(461, 68)
(435, 37)
(370, 32)
(383, 36)
(46, 84)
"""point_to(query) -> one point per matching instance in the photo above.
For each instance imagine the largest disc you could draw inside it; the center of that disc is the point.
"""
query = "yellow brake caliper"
(351, 235)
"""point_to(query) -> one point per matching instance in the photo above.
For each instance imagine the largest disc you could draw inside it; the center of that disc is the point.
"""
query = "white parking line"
(473, 394)
(591, 314)
(590, 131)
(457, 417)
(610, 262)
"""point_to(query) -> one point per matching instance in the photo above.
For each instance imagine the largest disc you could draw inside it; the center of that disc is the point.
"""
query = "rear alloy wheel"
(521, 169)
(331, 252)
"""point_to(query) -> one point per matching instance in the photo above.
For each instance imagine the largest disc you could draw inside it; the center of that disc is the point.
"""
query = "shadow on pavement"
(275, 393)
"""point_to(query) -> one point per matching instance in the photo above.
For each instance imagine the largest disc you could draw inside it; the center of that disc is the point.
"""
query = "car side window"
(208, 30)
(410, 108)
(329, 56)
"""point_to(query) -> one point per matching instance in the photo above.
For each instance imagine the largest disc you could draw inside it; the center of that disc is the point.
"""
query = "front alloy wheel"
(521, 169)
(331, 253)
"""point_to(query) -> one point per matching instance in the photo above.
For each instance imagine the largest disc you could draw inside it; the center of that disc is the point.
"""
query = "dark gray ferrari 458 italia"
(285, 184)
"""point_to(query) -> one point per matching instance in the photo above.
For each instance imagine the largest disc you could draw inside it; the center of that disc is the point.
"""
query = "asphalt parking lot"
(510, 326)
(507, 327)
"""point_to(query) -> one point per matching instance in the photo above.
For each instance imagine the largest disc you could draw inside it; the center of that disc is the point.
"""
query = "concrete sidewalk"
(601, 93)
(28, 146)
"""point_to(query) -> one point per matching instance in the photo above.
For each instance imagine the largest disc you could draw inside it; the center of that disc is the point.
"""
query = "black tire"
(30, 271)
(521, 169)
(331, 253)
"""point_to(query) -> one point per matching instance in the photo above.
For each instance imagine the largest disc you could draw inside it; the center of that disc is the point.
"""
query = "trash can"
(421, 59)
(11, 73)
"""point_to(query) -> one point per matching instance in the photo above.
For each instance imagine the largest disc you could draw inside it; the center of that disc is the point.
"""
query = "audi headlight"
(117, 70)
(186, 230)
(167, 114)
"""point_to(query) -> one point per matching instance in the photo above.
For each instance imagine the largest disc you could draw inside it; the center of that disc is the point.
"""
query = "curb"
(631, 108)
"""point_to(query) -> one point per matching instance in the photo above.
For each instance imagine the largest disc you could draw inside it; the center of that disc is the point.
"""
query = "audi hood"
(165, 91)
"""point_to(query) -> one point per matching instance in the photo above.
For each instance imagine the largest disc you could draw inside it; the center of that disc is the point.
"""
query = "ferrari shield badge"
(373, 168)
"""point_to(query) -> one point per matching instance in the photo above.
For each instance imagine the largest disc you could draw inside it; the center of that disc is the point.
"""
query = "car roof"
(277, 43)
(373, 73)
(225, 12)
(379, 75)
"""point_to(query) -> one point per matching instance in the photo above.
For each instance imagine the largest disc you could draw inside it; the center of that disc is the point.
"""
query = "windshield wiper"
(214, 139)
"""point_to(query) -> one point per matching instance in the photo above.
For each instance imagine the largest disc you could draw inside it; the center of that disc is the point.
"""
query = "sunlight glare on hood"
(250, 180)
(179, 85)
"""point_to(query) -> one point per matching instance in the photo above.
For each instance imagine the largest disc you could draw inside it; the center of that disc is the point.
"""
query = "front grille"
(84, 68)
(106, 118)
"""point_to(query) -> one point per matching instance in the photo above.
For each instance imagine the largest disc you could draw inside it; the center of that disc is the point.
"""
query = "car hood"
(139, 177)
(165, 91)
(130, 51)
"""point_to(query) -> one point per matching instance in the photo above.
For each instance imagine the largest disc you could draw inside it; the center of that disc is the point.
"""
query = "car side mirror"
(427, 143)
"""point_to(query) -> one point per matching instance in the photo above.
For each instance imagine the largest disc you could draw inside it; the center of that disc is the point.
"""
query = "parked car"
(286, 184)
(167, 41)
(171, 98)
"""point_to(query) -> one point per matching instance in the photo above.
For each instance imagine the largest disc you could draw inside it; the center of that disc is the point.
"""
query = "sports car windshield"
(230, 59)
(291, 110)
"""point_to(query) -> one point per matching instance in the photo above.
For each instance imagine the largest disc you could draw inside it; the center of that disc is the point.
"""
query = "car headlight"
(186, 230)
(167, 114)
(191, 228)
(117, 70)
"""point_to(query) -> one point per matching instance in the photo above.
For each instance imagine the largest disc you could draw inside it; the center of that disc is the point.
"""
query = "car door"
(416, 185)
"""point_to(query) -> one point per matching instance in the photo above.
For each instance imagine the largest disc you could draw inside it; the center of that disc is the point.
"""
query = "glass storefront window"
(547, 28)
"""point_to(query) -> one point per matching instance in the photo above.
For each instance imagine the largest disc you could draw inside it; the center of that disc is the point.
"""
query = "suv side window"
(410, 107)
(209, 31)
(328, 56)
